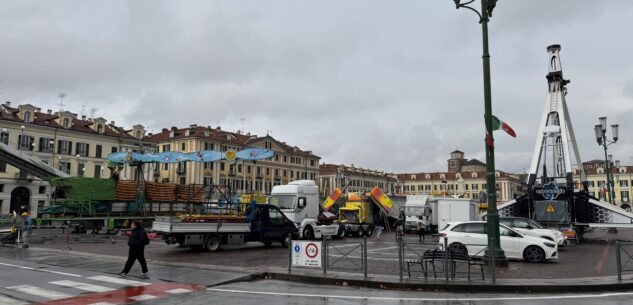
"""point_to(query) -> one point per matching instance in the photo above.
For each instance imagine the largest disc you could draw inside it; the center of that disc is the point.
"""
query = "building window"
(182, 168)
(285, 159)
(114, 149)
(82, 149)
(267, 171)
(285, 173)
(165, 166)
(182, 146)
(64, 147)
(81, 168)
(46, 145)
(312, 163)
(239, 168)
(25, 142)
(64, 167)
(165, 180)
(27, 117)
(97, 173)
(42, 189)
(4, 138)
(166, 148)
(590, 183)
(183, 180)
(248, 169)
(98, 151)
(207, 181)
(222, 166)
(66, 123)
(100, 128)
(3, 167)
(624, 183)
(276, 173)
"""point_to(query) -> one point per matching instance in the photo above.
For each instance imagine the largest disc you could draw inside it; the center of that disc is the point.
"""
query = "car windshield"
(414, 211)
(284, 202)
(535, 224)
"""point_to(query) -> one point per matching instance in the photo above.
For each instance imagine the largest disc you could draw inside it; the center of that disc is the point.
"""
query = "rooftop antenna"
(83, 110)
(62, 95)
(242, 119)
(268, 132)
(93, 110)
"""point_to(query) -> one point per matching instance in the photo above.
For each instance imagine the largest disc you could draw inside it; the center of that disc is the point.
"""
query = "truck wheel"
(308, 233)
(341, 233)
(286, 240)
(369, 231)
(212, 243)
(268, 243)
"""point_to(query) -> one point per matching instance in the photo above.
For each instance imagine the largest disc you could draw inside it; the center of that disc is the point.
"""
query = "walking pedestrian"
(26, 228)
(137, 242)
(379, 223)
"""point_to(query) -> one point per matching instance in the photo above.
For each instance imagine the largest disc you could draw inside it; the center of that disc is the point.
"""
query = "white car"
(530, 227)
(470, 237)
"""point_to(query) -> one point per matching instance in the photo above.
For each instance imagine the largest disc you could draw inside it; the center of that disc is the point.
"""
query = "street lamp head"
(51, 142)
(457, 3)
(599, 134)
(615, 128)
(22, 127)
(603, 123)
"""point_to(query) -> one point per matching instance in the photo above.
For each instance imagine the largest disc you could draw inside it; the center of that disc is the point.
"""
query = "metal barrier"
(345, 260)
(625, 247)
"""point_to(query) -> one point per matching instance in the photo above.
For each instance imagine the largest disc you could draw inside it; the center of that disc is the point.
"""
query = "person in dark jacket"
(137, 242)
(379, 223)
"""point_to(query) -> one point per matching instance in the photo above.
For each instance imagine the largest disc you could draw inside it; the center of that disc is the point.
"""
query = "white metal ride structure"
(552, 147)
(553, 198)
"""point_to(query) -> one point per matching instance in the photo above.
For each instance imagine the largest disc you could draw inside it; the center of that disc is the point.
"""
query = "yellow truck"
(357, 215)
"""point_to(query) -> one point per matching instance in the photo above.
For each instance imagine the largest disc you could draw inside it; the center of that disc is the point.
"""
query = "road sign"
(306, 254)
(550, 209)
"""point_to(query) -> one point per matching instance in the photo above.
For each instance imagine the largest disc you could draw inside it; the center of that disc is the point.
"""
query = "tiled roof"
(8, 113)
(332, 169)
(449, 176)
(219, 135)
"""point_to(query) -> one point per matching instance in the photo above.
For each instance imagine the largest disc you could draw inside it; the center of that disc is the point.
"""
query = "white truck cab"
(299, 201)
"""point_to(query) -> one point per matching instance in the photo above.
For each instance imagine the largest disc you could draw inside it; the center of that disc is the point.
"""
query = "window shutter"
(19, 141)
(70, 148)
(59, 146)
(87, 150)
(32, 140)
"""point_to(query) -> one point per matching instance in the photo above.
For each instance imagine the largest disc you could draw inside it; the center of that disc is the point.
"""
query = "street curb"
(452, 286)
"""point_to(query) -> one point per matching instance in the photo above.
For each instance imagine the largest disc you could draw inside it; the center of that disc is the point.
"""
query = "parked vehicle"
(299, 200)
(530, 227)
(456, 209)
(266, 224)
(417, 213)
(470, 237)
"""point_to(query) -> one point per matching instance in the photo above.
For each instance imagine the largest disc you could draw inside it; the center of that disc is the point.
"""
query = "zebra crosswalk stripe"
(40, 292)
(82, 286)
(10, 301)
(115, 280)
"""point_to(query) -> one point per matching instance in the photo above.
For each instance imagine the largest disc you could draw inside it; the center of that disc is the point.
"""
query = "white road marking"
(10, 301)
(380, 249)
(143, 297)
(41, 270)
(179, 290)
(115, 280)
(40, 292)
(530, 297)
(82, 286)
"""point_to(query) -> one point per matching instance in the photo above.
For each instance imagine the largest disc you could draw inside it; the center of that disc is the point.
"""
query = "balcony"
(23, 177)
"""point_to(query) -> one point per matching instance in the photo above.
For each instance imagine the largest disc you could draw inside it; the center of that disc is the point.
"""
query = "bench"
(459, 256)
(429, 256)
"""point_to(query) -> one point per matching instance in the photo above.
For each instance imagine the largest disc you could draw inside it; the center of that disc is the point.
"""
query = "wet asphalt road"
(594, 257)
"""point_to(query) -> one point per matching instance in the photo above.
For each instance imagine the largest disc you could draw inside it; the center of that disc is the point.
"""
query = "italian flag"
(499, 124)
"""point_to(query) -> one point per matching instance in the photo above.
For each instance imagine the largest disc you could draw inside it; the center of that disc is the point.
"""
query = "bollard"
(290, 255)
(324, 255)
(365, 257)
(618, 259)
(401, 257)
(446, 258)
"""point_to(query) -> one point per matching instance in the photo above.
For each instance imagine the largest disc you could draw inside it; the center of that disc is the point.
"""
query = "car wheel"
(212, 243)
(458, 248)
(534, 254)
(308, 233)
(286, 240)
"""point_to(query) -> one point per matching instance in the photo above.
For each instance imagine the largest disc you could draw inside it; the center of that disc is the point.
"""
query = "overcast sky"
(387, 85)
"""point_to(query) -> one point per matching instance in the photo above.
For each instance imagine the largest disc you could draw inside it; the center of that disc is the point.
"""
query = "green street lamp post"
(494, 247)
(601, 138)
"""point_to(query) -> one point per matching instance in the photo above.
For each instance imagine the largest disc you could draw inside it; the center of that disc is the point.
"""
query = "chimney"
(218, 128)
(193, 125)
(165, 130)
(83, 117)
(112, 123)
(49, 111)
(8, 103)
(174, 128)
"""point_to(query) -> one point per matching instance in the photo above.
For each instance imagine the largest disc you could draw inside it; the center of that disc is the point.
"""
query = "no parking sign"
(306, 254)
